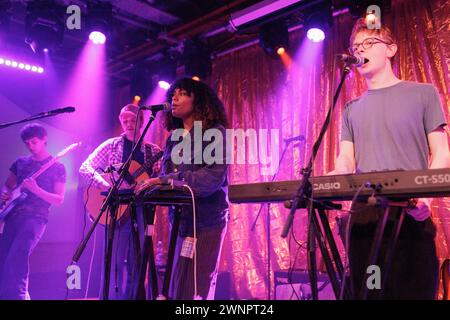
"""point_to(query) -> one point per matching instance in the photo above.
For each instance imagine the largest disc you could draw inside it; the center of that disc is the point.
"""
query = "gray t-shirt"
(389, 126)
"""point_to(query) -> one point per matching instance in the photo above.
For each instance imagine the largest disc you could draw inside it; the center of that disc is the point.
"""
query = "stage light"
(371, 18)
(281, 51)
(97, 37)
(20, 65)
(315, 35)
(196, 58)
(164, 84)
(44, 28)
(319, 21)
(99, 20)
(195, 78)
(262, 10)
(274, 36)
(358, 9)
(137, 98)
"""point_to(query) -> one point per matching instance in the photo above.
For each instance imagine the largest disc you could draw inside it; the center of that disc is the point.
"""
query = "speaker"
(297, 286)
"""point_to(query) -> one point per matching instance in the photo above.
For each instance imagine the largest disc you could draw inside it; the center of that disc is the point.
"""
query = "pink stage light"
(315, 35)
(164, 85)
(20, 65)
(97, 37)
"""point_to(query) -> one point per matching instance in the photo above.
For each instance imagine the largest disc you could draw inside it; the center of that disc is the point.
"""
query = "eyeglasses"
(366, 44)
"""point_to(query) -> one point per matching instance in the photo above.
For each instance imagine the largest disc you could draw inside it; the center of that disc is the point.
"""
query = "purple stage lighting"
(315, 35)
(97, 37)
(20, 65)
(164, 85)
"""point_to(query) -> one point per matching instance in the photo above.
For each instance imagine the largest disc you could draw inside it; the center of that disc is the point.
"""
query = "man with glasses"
(395, 125)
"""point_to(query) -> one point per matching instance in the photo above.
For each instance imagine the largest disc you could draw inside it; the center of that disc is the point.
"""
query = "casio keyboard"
(396, 184)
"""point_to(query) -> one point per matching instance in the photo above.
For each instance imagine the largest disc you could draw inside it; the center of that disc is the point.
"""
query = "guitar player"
(395, 125)
(24, 226)
(112, 152)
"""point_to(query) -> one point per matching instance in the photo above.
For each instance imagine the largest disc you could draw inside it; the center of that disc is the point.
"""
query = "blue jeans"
(20, 236)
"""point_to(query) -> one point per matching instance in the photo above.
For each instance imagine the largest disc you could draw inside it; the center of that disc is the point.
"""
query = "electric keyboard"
(396, 184)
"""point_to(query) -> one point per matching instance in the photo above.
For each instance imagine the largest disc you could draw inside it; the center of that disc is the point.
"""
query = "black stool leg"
(108, 250)
(171, 253)
(147, 255)
(375, 250)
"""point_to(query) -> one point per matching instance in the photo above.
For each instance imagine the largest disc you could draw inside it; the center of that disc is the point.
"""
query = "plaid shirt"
(110, 153)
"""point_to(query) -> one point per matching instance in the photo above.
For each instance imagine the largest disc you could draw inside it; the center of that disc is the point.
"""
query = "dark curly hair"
(207, 106)
(32, 130)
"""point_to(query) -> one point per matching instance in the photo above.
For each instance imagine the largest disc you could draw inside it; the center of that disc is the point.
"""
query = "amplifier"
(297, 287)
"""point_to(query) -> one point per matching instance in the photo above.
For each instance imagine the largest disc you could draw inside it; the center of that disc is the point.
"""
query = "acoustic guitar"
(18, 195)
(94, 199)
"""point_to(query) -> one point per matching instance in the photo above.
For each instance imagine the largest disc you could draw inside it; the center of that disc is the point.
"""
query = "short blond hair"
(384, 33)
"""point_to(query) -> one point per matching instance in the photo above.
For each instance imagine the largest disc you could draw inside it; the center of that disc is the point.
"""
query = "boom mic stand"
(39, 116)
(110, 201)
(304, 193)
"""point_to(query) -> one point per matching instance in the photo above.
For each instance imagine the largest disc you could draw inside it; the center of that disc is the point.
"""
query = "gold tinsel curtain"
(260, 93)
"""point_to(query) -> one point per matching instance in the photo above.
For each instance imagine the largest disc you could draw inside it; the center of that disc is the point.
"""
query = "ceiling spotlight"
(97, 37)
(99, 21)
(44, 28)
(319, 21)
(274, 37)
(164, 84)
(359, 9)
(281, 51)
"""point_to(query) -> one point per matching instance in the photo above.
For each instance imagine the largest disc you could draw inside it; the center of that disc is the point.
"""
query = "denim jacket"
(208, 182)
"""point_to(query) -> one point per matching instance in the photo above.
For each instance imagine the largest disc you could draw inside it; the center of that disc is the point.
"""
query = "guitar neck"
(44, 168)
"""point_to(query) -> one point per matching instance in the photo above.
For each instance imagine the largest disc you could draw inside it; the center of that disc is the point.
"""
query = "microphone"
(297, 138)
(356, 59)
(57, 111)
(157, 107)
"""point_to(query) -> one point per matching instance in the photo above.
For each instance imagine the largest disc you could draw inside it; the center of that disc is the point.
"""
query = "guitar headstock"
(68, 149)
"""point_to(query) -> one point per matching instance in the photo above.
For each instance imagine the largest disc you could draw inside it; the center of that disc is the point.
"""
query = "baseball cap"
(129, 108)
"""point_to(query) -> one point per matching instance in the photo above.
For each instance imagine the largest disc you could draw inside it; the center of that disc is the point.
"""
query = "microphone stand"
(111, 201)
(34, 117)
(304, 191)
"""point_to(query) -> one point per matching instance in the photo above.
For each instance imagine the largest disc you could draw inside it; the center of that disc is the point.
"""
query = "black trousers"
(414, 273)
(209, 247)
